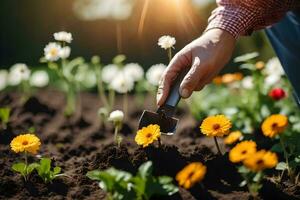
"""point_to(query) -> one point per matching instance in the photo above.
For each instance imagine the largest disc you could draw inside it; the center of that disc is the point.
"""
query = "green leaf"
(20, 167)
(119, 59)
(94, 175)
(45, 165)
(257, 177)
(56, 170)
(243, 170)
(165, 179)
(4, 115)
(276, 148)
(243, 183)
(167, 185)
(246, 57)
(145, 170)
(31, 167)
(281, 166)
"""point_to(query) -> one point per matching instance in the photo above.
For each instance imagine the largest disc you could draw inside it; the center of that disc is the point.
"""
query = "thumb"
(177, 64)
(191, 79)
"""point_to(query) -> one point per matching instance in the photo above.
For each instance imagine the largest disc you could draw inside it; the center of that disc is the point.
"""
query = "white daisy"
(134, 70)
(273, 67)
(63, 36)
(122, 83)
(39, 78)
(247, 82)
(64, 52)
(3, 79)
(272, 79)
(154, 73)
(52, 51)
(109, 72)
(166, 42)
(116, 116)
(18, 72)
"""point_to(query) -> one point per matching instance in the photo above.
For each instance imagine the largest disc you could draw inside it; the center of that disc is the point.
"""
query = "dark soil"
(80, 144)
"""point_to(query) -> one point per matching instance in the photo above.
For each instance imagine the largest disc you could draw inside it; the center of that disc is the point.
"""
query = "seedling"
(26, 143)
(45, 172)
(121, 185)
(117, 117)
(4, 116)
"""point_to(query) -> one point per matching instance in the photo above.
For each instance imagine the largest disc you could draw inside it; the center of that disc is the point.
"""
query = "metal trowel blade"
(167, 124)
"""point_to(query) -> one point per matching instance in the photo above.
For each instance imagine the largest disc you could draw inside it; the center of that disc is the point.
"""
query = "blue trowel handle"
(174, 96)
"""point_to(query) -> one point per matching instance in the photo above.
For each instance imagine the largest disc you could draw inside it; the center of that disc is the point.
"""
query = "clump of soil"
(80, 144)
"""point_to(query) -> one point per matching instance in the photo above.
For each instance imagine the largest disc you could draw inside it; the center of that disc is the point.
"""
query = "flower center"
(53, 52)
(190, 175)
(244, 152)
(25, 142)
(216, 127)
(149, 135)
(274, 125)
(259, 162)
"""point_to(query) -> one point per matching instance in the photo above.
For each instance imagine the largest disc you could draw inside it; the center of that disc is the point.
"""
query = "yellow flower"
(217, 80)
(228, 78)
(147, 135)
(273, 125)
(233, 137)
(26, 142)
(217, 125)
(241, 151)
(261, 160)
(259, 65)
(238, 76)
(191, 174)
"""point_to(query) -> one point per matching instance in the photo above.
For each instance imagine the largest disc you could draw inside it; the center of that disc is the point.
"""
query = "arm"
(208, 54)
(242, 17)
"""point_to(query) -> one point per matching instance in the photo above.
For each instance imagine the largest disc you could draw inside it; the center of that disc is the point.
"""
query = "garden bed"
(80, 144)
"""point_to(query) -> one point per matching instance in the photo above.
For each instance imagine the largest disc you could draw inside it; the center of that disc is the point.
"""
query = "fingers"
(192, 78)
(179, 62)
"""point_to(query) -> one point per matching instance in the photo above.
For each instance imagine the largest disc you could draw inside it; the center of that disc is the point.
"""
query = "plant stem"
(159, 142)
(116, 133)
(100, 88)
(170, 54)
(111, 99)
(217, 145)
(26, 163)
(71, 101)
(125, 103)
(286, 157)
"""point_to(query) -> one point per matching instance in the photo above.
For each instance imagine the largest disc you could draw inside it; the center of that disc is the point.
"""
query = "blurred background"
(107, 28)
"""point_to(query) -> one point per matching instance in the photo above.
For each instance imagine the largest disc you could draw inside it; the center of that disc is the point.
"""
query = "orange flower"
(241, 151)
(274, 125)
(261, 160)
(191, 174)
(25, 143)
(217, 80)
(259, 65)
(217, 125)
(147, 135)
(233, 137)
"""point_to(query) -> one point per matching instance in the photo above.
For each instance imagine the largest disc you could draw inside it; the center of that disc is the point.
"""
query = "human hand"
(205, 57)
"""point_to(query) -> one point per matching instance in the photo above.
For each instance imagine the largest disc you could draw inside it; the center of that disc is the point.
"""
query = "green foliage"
(122, 185)
(251, 179)
(246, 107)
(24, 169)
(4, 116)
(44, 170)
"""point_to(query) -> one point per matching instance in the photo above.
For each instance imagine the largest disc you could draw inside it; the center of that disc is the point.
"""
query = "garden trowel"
(164, 114)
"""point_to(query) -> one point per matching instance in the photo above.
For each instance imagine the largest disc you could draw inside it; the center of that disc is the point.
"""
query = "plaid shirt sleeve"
(242, 17)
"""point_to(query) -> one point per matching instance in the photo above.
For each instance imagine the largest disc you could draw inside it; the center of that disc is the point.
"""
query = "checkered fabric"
(242, 17)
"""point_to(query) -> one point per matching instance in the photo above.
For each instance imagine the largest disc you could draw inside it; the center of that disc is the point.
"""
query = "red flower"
(277, 94)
